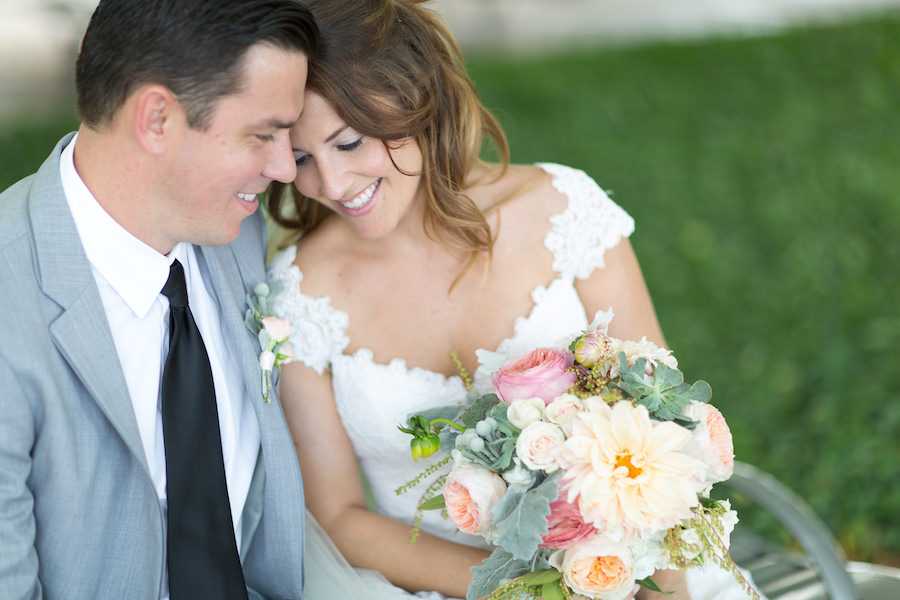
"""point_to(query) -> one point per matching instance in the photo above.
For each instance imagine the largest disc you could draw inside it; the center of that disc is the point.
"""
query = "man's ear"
(157, 117)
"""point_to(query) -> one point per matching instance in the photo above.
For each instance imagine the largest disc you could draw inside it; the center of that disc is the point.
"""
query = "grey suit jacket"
(79, 517)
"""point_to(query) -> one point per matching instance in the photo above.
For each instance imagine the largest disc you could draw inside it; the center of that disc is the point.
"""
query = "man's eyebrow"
(275, 124)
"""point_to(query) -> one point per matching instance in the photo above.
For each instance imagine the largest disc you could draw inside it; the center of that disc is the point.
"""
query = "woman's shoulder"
(567, 210)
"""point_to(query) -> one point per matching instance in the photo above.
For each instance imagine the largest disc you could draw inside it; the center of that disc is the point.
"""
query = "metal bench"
(820, 571)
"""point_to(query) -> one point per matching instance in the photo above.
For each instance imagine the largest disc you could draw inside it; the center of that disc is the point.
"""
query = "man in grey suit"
(185, 108)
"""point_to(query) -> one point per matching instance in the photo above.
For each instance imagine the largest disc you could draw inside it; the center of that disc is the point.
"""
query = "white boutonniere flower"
(273, 334)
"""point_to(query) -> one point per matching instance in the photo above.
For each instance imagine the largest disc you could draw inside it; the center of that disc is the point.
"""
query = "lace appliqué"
(591, 225)
(318, 330)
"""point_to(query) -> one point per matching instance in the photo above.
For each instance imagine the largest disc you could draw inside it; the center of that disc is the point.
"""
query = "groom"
(138, 458)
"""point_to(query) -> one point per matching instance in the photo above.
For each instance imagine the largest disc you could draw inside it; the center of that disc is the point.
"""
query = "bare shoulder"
(519, 204)
(322, 255)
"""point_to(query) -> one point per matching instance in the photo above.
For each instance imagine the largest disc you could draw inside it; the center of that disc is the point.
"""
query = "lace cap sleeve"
(591, 224)
(318, 330)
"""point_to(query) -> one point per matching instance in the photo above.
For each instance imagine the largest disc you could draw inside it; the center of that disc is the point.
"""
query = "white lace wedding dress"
(374, 398)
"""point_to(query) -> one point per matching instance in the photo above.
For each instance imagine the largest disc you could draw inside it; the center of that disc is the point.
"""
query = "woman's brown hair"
(392, 71)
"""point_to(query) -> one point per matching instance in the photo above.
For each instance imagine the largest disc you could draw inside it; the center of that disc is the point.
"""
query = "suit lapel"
(227, 280)
(81, 331)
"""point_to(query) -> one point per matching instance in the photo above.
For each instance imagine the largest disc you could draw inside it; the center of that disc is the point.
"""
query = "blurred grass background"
(764, 175)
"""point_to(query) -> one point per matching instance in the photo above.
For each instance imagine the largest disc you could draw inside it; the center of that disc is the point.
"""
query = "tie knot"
(175, 289)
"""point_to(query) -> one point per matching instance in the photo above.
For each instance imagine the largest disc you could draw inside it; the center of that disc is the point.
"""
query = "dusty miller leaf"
(521, 518)
(497, 568)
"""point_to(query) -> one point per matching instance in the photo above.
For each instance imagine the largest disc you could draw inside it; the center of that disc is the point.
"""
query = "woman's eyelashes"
(351, 146)
(300, 159)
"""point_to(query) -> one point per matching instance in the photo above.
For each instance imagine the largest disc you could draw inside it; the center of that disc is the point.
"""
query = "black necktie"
(202, 560)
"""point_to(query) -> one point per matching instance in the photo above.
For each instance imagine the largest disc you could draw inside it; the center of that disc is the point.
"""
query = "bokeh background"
(757, 145)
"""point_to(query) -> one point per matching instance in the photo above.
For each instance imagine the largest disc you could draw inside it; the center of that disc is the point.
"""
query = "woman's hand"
(673, 583)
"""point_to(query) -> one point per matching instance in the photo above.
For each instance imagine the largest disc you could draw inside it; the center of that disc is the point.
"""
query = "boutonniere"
(273, 334)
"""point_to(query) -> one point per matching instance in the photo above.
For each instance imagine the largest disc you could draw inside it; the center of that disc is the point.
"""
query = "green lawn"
(764, 175)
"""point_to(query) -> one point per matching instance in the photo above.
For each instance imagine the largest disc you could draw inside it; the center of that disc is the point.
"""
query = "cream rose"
(470, 492)
(597, 567)
(525, 411)
(538, 444)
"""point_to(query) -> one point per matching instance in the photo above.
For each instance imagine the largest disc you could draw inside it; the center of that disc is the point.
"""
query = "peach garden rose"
(711, 441)
(470, 492)
(597, 567)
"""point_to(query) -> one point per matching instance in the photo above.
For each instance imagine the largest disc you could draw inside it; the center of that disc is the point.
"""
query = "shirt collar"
(133, 269)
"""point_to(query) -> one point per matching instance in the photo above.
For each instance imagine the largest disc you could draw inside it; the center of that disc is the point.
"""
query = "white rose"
(538, 444)
(562, 409)
(267, 361)
(524, 411)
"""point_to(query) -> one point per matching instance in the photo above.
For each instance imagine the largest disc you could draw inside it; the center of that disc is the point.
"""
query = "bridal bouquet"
(588, 467)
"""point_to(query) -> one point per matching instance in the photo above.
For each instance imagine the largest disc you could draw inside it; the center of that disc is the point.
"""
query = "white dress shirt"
(130, 275)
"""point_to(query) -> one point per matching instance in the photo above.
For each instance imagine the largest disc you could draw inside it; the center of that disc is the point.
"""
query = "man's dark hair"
(193, 47)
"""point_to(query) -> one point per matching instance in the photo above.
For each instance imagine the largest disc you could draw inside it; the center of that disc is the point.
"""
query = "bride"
(413, 249)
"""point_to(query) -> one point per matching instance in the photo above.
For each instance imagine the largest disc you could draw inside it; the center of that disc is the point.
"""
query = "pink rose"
(565, 525)
(539, 374)
(538, 444)
(711, 442)
(286, 353)
(471, 491)
(278, 329)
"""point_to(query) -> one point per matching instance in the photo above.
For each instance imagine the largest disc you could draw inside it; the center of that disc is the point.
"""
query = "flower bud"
(486, 426)
(476, 444)
(424, 445)
(593, 347)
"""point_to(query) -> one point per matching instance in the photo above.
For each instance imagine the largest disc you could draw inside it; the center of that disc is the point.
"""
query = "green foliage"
(521, 517)
(24, 146)
(664, 393)
(496, 568)
(478, 410)
(434, 503)
(762, 175)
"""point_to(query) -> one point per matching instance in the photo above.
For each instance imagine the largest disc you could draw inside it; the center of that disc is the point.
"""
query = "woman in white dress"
(413, 249)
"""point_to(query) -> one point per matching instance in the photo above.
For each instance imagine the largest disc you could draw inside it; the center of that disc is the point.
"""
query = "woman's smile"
(363, 202)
